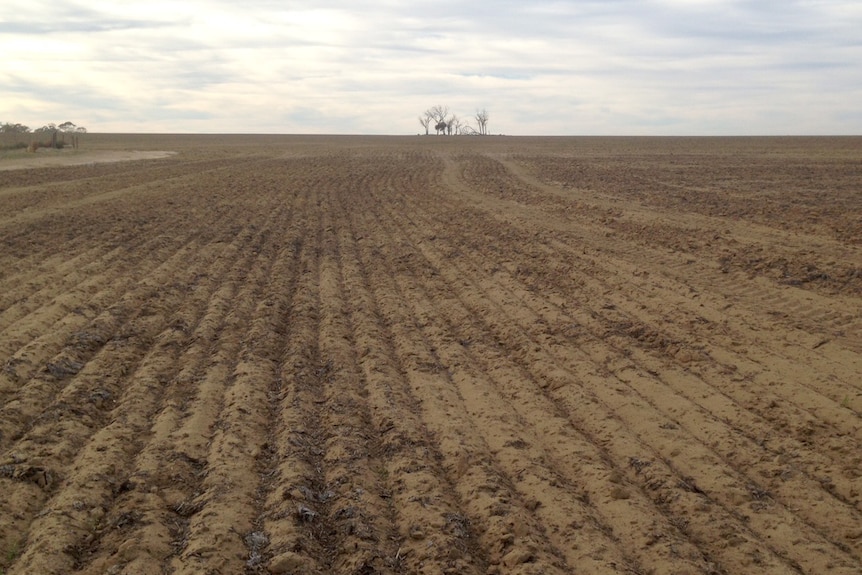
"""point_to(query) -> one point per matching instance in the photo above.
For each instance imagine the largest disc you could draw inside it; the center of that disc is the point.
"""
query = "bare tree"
(454, 124)
(482, 120)
(446, 124)
(438, 114)
(425, 120)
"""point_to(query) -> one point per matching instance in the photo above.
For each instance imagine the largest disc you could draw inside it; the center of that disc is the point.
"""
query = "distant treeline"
(19, 136)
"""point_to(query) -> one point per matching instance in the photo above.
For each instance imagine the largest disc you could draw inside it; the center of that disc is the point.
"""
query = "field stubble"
(434, 355)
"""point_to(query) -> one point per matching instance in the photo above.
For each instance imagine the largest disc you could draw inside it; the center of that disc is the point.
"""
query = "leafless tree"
(438, 114)
(425, 120)
(444, 123)
(482, 120)
(453, 125)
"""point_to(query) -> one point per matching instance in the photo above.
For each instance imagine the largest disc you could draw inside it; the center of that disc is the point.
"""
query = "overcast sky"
(609, 67)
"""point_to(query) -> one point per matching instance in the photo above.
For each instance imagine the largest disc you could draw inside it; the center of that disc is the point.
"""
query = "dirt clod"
(288, 564)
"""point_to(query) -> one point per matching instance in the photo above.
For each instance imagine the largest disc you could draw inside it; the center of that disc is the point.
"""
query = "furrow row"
(389, 356)
(470, 273)
(605, 485)
(432, 534)
(498, 490)
(618, 319)
(160, 327)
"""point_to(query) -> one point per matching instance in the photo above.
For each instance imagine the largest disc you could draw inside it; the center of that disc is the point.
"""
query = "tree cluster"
(49, 135)
(65, 128)
(439, 118)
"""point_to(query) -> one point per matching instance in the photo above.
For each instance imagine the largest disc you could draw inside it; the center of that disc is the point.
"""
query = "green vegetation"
(18, 136)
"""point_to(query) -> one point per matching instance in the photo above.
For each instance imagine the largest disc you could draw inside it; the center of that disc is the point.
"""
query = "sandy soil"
(434, 355)
(45, 158)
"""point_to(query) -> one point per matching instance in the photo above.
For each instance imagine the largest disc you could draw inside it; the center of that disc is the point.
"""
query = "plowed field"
(434, 355)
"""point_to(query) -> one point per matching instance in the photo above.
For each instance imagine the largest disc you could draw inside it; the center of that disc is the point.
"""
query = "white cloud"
(544, 67)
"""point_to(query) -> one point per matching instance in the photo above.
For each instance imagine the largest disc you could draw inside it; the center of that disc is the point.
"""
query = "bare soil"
(43, 157)
(434, 355)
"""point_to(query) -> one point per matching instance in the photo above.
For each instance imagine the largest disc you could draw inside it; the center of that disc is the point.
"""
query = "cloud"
(553, 67)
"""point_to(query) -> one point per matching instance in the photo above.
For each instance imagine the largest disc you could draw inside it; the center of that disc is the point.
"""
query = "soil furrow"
(296, 513)
(359, 506)
(70, 193)
(99, 471)
(129, 327)
(433, 537)
(454, 279)
(24, 292)
(604, 485)
(75, 346)
(59, 309)
(687, 385)
(677, 347)
(488, 485)
(166, 475)
(710, 280)
(316, 354)
(730, 398)
(220, 534)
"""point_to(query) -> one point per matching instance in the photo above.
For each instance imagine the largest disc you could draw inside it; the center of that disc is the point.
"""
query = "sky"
(538, 67)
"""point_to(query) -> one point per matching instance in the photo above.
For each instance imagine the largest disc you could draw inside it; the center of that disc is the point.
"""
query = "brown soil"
(43, 158)
(434, 355)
